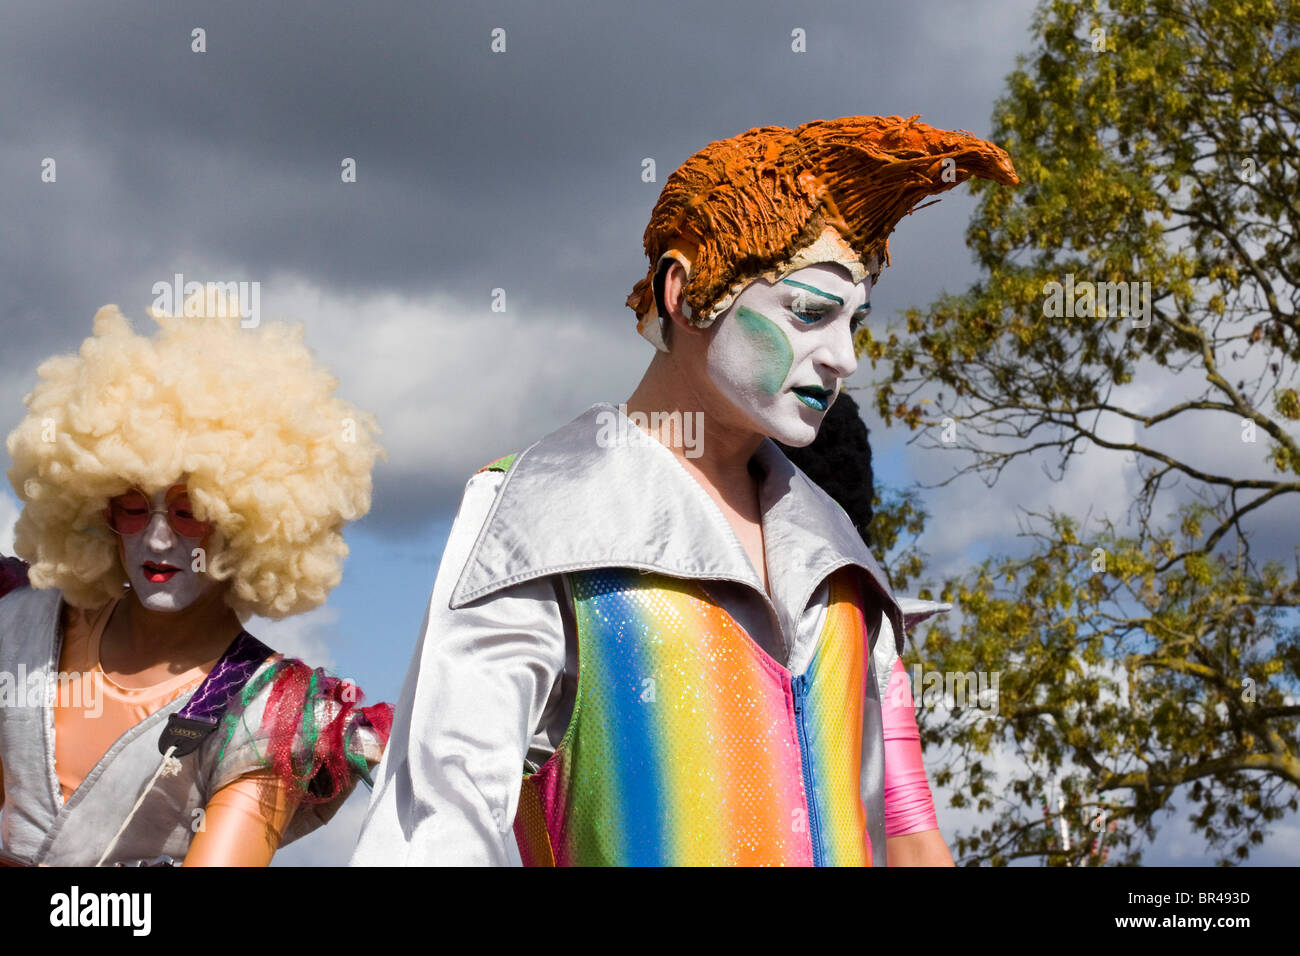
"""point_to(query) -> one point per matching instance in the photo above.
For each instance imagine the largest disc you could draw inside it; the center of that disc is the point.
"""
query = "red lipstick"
(159, 572)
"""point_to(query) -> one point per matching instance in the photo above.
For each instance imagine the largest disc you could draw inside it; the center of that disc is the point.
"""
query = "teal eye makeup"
(810, 304)
(808, 316)
(859, 316)
(830, 297)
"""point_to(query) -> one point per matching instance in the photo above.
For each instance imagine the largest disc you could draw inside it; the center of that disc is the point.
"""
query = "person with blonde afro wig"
(272, 458)
(173, 486)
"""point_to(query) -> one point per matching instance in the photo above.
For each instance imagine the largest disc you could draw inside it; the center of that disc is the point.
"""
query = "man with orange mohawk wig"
(173, 485)
(651, 611)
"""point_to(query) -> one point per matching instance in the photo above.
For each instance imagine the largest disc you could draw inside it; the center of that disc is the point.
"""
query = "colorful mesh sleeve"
(909, 808)
(308, 728)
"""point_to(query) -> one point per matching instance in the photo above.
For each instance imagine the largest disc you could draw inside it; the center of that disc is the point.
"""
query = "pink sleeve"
(909, 807)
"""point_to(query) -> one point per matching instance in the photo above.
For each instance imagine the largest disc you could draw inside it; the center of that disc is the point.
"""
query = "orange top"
(243, 821)
(90, 711)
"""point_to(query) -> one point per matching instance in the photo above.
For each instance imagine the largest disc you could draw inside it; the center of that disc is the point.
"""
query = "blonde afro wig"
(244, 416)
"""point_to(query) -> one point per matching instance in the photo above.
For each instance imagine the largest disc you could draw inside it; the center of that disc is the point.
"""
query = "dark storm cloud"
(475, 170)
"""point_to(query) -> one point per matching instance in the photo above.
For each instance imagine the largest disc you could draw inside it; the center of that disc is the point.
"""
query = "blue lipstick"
(814, 396)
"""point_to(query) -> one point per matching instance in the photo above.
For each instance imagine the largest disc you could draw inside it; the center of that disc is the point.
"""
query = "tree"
(1145, 654)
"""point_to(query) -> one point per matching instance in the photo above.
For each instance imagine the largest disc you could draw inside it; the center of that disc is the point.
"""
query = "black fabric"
(839, 461)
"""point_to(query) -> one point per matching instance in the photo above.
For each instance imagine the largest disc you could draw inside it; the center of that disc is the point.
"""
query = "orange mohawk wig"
(744, 206)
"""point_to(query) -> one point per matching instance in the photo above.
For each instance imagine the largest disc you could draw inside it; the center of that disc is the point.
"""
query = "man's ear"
(674, 296)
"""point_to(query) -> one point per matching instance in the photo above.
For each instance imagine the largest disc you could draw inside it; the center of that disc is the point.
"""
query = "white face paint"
(158, 562)
(781, 351)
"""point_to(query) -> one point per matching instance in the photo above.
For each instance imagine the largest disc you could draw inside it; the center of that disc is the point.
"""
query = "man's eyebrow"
(813, 289)
(863, 307)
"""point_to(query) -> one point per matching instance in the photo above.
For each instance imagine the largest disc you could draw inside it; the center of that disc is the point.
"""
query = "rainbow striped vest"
(689, 745)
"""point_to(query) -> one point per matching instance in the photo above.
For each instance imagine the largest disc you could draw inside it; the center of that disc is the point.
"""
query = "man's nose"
(838, 354)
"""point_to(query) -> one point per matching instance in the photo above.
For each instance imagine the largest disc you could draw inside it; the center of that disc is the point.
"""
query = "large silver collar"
(576, 500)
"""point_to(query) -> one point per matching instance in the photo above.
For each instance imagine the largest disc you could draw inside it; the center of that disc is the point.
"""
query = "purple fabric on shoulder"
(241, 659)
(13, 575)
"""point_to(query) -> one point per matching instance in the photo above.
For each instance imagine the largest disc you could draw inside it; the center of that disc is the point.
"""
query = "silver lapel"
(573, 501)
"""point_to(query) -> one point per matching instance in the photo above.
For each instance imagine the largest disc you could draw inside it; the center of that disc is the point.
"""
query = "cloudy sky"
(476, 171)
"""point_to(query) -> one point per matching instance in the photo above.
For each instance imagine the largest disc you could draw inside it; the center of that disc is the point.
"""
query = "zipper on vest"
(800, 687)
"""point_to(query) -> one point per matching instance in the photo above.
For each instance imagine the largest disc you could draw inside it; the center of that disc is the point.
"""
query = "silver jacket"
(492, 682)
(38, 826)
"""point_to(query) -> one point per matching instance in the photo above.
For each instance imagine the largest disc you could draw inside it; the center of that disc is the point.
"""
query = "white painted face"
(781, 351)
(158, 560)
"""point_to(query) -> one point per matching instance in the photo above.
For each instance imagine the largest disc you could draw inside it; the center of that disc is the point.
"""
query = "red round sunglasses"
(131, 512)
